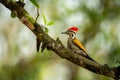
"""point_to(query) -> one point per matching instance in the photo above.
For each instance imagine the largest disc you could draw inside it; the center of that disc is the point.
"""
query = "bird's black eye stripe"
(72, 35)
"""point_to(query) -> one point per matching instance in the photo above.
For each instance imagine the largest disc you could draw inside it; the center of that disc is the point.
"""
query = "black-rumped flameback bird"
(74, 44)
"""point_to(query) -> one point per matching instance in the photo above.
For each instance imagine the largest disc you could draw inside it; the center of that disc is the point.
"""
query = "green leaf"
(35, 3)
(50, 23)
(46, 30)
(44, 19)
(13, 14)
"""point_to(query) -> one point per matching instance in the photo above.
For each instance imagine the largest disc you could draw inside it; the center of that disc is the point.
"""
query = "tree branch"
(57, 46)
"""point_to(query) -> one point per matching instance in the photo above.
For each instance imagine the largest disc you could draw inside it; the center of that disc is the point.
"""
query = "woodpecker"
(74, 44)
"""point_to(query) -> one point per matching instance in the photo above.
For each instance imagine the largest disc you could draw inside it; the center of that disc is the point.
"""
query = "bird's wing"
(78, 44)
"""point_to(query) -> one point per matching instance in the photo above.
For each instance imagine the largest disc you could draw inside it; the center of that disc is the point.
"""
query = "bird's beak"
(63, 32)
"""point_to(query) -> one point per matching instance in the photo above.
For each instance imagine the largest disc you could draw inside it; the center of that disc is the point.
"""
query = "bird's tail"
(84, 54)
(88, 57)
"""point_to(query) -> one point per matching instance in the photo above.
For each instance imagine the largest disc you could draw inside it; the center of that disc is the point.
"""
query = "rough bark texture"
(56, 45)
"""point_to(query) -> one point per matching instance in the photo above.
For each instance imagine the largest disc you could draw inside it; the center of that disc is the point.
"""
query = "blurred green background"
(99, 31)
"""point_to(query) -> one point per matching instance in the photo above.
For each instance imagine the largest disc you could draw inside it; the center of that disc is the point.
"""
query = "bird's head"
(71, 31)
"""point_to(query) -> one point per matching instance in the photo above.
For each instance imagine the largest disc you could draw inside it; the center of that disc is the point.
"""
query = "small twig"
(37, 15)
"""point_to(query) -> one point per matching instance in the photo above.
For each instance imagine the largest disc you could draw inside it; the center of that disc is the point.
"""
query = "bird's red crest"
(74, 29)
